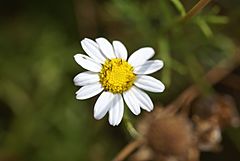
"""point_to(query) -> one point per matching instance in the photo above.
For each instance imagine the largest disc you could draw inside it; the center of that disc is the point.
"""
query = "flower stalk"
(129, 127)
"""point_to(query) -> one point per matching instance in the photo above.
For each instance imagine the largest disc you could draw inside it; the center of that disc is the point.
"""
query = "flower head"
(117, 78)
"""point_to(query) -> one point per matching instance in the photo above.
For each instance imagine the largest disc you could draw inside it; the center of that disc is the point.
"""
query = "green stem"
(179, 6)
(187, 16)
(129, 127)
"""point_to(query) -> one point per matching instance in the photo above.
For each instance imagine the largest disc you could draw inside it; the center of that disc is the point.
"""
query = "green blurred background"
(40, 119)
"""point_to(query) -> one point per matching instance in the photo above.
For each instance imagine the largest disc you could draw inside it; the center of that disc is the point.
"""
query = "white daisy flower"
(117, 78)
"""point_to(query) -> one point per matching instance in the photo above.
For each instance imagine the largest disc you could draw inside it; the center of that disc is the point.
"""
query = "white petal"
(149, 83)
(106, 47)
(149, 67)
(103, 104)
(86, 78)
(132, 102)
(116, 111)
(92, 49)
(87, 63)
(89, 91)
(143, 99)
(140, 56)
(120, 50)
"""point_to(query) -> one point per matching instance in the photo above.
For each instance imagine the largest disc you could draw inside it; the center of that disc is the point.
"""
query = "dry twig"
(195, 10)
(127, 150)
(215, 75)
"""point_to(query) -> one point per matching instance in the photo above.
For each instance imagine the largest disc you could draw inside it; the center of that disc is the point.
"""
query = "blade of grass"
(179, 6)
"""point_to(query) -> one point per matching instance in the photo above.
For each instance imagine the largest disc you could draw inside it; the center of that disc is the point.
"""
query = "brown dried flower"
(168, 137)
(210, 115)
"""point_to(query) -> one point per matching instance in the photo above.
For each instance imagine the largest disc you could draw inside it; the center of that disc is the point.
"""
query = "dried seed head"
(210, 114)
(170, 135)
(208, 133)
(220, 107)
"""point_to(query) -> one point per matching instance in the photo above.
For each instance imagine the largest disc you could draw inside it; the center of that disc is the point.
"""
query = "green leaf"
(204, 27)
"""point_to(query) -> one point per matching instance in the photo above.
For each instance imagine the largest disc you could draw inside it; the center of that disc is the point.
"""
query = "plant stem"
(215, 75)
(195, 10)
(128, 149)
(129, 127)
(187, 16)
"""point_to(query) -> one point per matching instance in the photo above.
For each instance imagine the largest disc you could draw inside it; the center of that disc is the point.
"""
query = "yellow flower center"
(117, 75)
